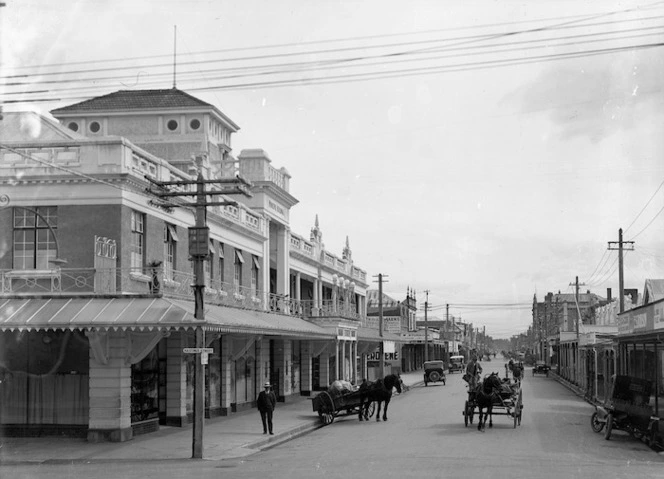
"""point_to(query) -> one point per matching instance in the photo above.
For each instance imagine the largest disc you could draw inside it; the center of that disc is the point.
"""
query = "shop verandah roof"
(143, 313)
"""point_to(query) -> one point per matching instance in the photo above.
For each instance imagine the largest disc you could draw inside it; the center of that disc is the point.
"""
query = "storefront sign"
(642, 319)
(388, 356)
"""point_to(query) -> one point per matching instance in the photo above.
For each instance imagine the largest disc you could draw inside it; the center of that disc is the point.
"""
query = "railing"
(173, 284)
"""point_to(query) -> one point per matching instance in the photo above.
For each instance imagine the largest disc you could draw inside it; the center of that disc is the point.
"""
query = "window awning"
(239, 256)
(213, 250)
(256, 262)
(221, 250)
(172, 231)
(141, 313)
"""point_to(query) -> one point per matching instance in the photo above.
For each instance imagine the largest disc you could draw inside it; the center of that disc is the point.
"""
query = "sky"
(481, 151)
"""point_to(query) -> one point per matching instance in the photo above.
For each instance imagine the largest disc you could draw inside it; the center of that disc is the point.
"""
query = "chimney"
(608, 295)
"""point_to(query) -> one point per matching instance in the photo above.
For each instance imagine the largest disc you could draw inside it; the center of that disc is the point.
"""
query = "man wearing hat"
(266, 403)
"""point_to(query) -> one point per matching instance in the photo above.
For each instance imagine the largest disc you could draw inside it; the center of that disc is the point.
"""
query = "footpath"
(228, 437)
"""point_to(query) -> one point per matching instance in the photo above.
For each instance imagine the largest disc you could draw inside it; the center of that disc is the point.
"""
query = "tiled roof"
(123, 100)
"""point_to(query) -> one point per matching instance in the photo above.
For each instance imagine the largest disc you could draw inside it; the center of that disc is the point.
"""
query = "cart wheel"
(372, 409)
(609, 426)
(465, 414)
(326, 410)
(434, 376)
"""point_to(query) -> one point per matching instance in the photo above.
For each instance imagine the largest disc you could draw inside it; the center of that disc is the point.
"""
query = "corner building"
(96, 300)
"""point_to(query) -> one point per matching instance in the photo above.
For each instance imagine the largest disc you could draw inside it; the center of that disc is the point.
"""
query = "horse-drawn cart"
(628, 409)
(505, 398)
(337, 402)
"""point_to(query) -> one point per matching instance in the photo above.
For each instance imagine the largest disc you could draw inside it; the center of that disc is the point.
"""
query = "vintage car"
(434, 372)
(541, 368)
(457, 364)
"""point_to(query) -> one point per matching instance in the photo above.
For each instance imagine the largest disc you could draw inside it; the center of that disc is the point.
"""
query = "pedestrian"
(266, 403)
(473, 371)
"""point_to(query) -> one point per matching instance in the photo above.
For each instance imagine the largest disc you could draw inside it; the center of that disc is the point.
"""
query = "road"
(425, 436)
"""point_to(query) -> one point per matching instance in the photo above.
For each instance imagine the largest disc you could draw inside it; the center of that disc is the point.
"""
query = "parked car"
(434, 372)
(457, 364)
(541, 368)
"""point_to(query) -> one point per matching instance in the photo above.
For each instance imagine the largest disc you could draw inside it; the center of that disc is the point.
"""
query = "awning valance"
(146, 313)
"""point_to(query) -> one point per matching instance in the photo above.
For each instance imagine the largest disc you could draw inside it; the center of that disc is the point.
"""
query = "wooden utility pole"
(199, 250)
(426, 327)
(621, 248)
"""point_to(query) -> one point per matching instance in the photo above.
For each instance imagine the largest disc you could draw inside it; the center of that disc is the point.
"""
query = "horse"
(485, 396)
(379, 391)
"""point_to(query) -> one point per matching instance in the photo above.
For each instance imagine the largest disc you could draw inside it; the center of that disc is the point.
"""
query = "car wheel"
(434, 376)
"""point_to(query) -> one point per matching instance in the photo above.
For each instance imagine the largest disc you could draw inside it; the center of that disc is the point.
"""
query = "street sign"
(198, 350)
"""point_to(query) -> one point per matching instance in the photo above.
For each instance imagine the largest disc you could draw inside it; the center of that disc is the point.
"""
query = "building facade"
(96, 300)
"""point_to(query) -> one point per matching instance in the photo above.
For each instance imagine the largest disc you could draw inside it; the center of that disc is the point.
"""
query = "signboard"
(388, 346)
(198, 350)
(375, 356)
(643, 319)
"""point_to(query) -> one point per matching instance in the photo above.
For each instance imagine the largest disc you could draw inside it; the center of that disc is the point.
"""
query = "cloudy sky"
(485, 151)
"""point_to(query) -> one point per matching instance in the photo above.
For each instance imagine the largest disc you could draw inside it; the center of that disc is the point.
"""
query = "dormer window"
(172, 125)
(94, 127)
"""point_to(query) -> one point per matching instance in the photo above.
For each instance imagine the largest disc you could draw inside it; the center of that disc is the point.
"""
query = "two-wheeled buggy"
(507, 400)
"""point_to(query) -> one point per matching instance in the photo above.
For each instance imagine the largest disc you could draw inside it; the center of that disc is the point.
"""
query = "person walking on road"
(266, 403)
(473, 372)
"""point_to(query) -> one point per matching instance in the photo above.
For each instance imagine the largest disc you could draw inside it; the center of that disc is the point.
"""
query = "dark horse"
(486, 394)
(379, 391)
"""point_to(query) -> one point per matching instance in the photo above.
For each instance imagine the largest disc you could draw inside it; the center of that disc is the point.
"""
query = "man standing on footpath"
(266, 403)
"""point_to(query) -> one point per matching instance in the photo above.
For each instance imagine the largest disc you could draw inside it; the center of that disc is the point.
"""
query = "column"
(324, 361)
(176, 380)
(305, 368)
(354, 361)
(226, 364)
(110, 393)
(298, 286)
(265, 267)
(317, 295)
(336, 360)
(282, 260)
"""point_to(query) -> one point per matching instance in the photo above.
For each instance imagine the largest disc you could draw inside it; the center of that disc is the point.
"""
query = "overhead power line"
(577, 21)
(383, 75)
(645, 206)
(332, 64)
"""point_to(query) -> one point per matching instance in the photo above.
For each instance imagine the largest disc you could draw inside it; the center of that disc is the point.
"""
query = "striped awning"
(92, 313)
(145, 313)
(235, 320)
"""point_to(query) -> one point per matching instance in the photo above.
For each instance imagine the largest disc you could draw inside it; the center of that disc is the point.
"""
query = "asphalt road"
(425, 436)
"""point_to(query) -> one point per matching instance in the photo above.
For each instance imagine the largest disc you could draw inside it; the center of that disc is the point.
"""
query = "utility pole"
(199, 250)
(426, 327)
(381, 279)
(621, 248)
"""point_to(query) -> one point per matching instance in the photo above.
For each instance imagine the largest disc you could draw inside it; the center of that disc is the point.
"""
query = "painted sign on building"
(642, 319)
